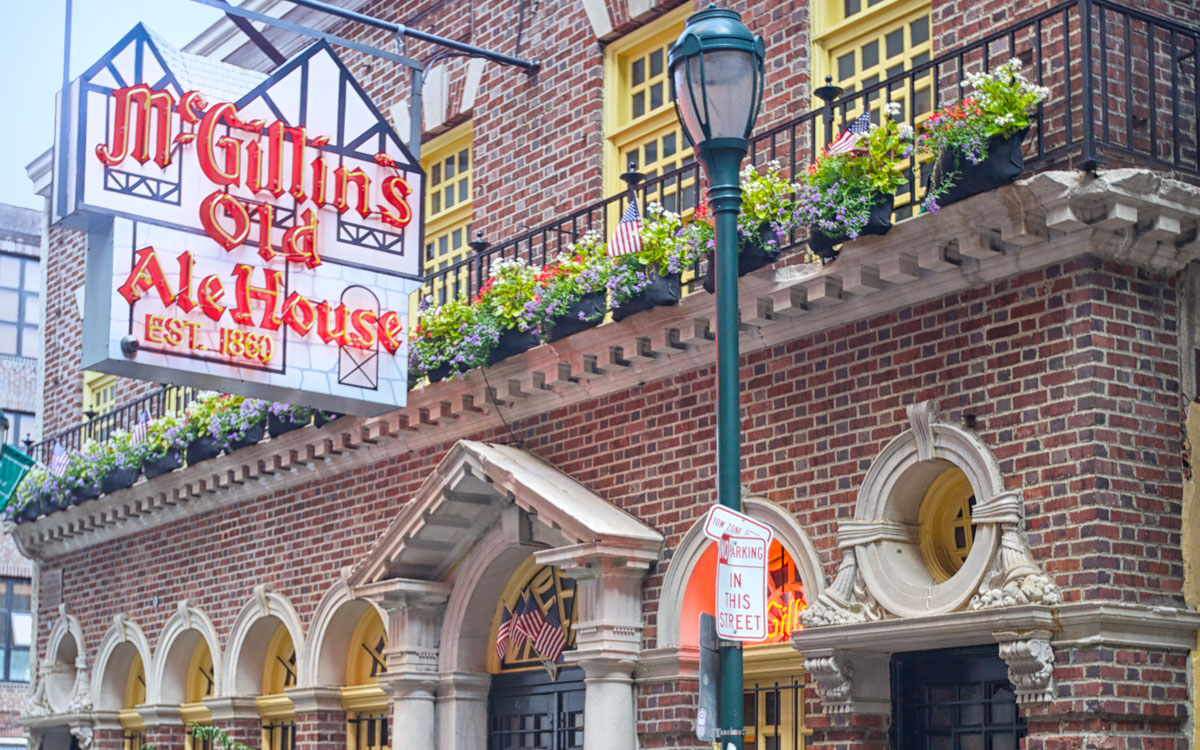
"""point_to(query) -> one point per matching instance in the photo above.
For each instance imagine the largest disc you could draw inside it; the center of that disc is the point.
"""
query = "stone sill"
(1071, 625)
(1130, 215)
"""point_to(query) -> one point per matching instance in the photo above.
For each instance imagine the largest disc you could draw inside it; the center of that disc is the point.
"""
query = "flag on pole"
(530, 619)
(502, 633)
(551, 641)
(516, 636)
(628, 237)
(138, 434)
(58, 460)
(850, 136)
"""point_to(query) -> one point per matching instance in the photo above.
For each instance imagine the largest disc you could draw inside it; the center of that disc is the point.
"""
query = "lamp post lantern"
(716, 69)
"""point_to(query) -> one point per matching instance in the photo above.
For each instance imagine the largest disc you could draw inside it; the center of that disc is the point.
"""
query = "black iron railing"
(169, 399)
(1123, 92)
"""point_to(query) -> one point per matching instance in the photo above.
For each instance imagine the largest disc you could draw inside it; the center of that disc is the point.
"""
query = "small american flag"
(516, 636)
(628, 237)
(59, 460)
(530, 620)
(551, 641)
(138, 434)
(850, 136)
(503, 632)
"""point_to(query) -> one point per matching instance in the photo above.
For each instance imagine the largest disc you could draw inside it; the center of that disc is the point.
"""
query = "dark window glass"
(651, 152)
(850, 7)
(16, 629)
(656, 63)
(656, 95)
(639, 71)
(845, 65)
(919, 31)
(668, 142)
(870, 55)
(895, 43)
(639, 104)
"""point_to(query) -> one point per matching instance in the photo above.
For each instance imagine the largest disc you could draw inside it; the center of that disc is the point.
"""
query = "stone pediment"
(467, 494)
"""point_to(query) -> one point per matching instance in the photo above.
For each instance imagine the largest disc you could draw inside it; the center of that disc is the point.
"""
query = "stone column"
(237, 717)
(462, 709)
(164, 726)
(414, 610)
(320, 718)
(608, 636)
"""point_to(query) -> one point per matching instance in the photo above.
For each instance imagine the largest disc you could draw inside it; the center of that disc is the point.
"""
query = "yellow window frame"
(279, 674)
(775, 664)
(444, 222)
(836, 35)
(623, 132)
(99, 392)
(946, 531)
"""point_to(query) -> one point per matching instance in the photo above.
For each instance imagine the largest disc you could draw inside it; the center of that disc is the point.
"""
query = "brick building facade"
(1037, 340)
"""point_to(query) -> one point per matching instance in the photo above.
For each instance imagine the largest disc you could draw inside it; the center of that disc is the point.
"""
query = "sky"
(31, 56)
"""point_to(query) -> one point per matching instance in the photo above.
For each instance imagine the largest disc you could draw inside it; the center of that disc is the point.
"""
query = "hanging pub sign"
(250, 234)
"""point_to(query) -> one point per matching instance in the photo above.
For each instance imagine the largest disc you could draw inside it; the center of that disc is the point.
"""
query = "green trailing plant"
(509, 287)
(666, 251)
(214, 736)
(837, 191)
(1001, 103)
(583, 269)
(450, 335)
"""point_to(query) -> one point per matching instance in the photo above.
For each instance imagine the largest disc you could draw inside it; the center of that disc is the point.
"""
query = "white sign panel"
(247, 234)
(742, 547)
(742, 588)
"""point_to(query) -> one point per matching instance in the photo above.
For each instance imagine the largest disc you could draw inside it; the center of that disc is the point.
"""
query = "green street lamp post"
(717, 80)
(3, 428)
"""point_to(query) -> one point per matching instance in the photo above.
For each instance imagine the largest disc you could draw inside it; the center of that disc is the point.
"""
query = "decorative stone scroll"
(1014, 578)
(845, 601)
(1030, 660)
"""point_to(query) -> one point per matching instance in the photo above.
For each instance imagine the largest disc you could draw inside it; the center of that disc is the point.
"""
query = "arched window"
(773, 671)
(276, 709)
(535, 701)
(201, 684)
(364, 700)
(537, 600)
(135, 695)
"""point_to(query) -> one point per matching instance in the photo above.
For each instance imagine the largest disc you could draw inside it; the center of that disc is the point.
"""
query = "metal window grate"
(134, 741)
(774, 715)
(369, 732)
(280, 736)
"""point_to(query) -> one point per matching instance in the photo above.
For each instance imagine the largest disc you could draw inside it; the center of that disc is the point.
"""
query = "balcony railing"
(169, 399)
(1123, 92)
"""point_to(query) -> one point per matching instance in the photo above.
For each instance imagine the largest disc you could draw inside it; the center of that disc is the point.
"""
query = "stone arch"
(884, 529)
(121, 644)
(337, 614)
(474, 596)
(694, 543)
(248, 640)
(166, 678)
(64, 671)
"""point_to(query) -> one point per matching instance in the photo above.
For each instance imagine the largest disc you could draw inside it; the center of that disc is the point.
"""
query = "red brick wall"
(1069, 372)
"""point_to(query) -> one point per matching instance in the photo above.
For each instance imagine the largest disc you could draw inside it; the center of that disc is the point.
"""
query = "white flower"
(892, 109)
(905, 131)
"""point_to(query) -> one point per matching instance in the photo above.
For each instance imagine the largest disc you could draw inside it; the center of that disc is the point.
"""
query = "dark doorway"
(954, 699)
(529, 711)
